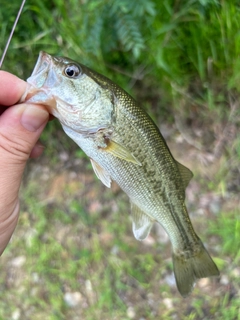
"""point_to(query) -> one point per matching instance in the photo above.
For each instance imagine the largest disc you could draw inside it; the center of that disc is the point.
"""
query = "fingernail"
(33, 118)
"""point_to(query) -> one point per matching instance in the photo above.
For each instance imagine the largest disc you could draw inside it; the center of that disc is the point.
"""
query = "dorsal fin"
(185, 173)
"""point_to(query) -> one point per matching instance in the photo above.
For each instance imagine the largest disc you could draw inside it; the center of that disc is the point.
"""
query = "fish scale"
(124, 145)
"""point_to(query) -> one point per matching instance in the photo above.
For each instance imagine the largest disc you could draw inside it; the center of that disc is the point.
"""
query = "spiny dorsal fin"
(141, 223)
(185, 173)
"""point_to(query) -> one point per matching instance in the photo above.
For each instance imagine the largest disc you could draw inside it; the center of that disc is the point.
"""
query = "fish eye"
(72, 71)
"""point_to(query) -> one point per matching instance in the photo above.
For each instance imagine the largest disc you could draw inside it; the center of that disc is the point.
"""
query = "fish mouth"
(43, 75)
(43, 62)
(40, 83)
(46, 86)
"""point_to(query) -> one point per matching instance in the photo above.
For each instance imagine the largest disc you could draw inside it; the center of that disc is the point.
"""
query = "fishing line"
(11, 34)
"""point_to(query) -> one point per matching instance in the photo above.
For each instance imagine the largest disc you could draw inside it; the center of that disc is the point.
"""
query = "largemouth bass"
(124, 145)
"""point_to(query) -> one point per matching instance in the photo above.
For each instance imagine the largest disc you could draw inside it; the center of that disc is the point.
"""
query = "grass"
(73, 255)
(228, 228)
(79, 243)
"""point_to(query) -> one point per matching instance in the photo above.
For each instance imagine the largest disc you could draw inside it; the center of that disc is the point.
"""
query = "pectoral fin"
(104, 141)
(121, 152)
(101, 173)
(141, 223)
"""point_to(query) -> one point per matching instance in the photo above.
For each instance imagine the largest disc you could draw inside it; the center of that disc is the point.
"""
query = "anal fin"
(141, 223)
(101, 173)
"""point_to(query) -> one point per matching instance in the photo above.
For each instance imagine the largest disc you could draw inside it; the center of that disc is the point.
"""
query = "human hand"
(20, 129)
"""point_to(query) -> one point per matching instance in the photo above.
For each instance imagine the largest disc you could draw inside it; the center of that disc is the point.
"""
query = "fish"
(124, 145)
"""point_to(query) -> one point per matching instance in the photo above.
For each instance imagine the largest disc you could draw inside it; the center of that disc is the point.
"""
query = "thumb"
(20, 128)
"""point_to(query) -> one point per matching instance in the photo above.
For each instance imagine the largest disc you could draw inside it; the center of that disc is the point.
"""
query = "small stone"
(72, 175)
(95, 206)
(215, 206)
(63, 156)
(72, 299)
(35, 277)
(18, 262)
(131, 312)
(88, 285)
(224, 280)
(200, 212)
(204, 282)
(150, 297)
(115, 250)
(149, 241)
(16, 314)
(89, 291)
(29, 237)
(170, 280)
(236, 272)
(168, 303)
(179, 139)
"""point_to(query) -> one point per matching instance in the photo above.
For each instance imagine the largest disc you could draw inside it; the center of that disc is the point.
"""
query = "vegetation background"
(73, 255)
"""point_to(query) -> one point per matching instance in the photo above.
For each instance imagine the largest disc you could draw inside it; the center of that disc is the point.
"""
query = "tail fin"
(190, 267)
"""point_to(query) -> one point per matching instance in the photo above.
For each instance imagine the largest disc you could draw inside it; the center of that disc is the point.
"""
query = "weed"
(181, 60)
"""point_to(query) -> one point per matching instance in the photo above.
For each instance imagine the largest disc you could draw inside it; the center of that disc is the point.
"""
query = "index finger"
(11, 88)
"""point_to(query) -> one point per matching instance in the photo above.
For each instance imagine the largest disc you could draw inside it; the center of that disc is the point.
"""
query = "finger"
(12, 88)
(20, 128)
(2, 109)
(37, 150)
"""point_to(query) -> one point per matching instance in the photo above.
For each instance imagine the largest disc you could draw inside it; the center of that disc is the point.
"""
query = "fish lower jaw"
(49, 103)
(39, 96)
(28, 93)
